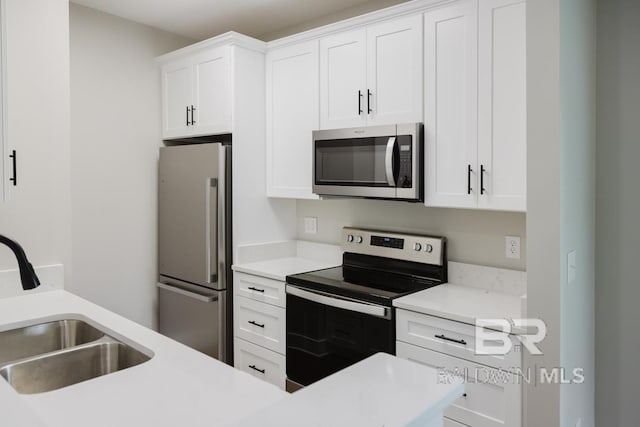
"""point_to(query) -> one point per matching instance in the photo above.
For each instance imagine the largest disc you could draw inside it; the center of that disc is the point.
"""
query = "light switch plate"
(571, 266)
(311, 225)
(512, 247)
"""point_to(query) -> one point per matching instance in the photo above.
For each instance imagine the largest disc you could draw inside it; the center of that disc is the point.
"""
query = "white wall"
(115, 134)
(38, 211)
(618, 210)
(475, 237)
(560, 216)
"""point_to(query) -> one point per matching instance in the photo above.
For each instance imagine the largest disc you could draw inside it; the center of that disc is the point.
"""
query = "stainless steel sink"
(52, 355)
(44, 338)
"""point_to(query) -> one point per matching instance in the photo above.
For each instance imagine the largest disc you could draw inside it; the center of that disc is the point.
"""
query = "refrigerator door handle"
(212, 229)
(186, 293)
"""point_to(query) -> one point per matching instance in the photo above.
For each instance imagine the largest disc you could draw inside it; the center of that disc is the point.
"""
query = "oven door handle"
(370, 309)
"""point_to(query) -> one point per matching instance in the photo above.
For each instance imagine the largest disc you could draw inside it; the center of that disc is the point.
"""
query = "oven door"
(326, 333)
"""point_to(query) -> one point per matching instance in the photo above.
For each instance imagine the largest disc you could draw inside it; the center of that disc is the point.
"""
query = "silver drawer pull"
(260, 325)
(442, 337)
(251, 288)
(257, 369)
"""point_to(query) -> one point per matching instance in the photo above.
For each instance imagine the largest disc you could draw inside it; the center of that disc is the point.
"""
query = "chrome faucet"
(27, 273)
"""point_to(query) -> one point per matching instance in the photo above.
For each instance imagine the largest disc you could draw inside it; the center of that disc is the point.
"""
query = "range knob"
(417, 246)
(349, 238)
(358, 239)
(428, 248)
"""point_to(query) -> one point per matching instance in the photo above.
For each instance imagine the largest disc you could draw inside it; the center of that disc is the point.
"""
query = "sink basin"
(53, 371)
(44, 338)
(51, 355)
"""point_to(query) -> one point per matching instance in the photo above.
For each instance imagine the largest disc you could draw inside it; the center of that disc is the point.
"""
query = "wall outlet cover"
(571, 267)
(512, 247)
(311, 225)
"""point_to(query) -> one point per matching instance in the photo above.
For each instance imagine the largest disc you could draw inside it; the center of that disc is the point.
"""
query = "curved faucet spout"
(28, 275)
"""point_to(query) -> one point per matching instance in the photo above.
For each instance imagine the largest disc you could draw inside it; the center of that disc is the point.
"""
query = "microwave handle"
(388, 162)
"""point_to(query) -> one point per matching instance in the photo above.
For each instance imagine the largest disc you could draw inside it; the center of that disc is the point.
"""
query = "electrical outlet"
(512, 247)
(311, 225)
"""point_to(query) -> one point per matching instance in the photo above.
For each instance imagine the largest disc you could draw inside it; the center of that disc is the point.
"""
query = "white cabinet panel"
(260, 362)
(260, 289)
(451, 106)
(394, 71)
(260, 323)
(492, 398)
(292, 114)
(212, 92)
(343, 80)
(502, 103)
(176, 85)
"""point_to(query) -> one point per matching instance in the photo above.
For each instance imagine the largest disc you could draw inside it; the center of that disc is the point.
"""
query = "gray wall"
(475, 237)
(618, 211)
(115, 136)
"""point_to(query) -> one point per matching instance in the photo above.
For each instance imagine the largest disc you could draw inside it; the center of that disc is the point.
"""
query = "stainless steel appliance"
(339, 316)
(194, 247)
(374, 162)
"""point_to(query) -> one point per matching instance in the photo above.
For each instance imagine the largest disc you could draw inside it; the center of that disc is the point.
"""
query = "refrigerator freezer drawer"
(196, 319)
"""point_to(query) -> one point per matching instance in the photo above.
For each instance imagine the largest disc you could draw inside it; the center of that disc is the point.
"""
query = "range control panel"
(407, 247)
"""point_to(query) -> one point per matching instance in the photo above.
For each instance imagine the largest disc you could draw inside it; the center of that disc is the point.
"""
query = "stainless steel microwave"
(382, 162)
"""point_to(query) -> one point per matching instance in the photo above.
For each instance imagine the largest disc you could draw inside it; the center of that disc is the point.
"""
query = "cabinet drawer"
(260, 362)
(492, 397)
(260, 323)
(450, 337)
(259, 289)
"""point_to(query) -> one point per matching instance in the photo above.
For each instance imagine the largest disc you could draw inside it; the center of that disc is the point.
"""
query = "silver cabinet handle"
(388, 161)
(373, 310)
(194, 295)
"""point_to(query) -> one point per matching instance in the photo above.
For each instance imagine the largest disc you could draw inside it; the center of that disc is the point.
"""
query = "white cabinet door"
(492, 398)
(343, 76)
(176, 98)
(451, 106)
(502, 104)
(292, 114)
(260, 362)
(212, 92)
(394, 71)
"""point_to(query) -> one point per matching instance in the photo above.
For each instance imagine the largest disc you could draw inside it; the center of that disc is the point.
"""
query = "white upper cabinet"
(450, 123)
(196, 95)
(502, 104)
(372, 75)
(475, 105)
(292, 114)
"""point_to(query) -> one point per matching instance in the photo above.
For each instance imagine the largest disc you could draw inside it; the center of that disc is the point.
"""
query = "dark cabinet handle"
(193, 121)
(257, 369)
(259, 325)
(469, 170)
(14, 161)
(482, 171)
(369, 110)
(359, 102)
(251, 288)
(442, 337)
(187, 115)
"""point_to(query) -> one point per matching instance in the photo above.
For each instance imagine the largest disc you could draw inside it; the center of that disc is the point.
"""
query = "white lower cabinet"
(260, 362)
(259, 320)
(493, 394)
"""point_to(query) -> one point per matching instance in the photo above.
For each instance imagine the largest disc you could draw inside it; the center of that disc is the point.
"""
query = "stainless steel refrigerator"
(194, 247)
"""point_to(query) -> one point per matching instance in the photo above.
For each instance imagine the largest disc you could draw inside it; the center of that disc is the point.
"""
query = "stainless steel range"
(339, 316)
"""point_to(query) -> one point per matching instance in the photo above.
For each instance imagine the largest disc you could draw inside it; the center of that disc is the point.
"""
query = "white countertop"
(463, 303)
(177, 387)
(382, 390)
(279, 269)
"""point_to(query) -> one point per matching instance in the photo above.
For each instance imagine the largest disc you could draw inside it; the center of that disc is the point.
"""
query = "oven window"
(322, 340)
(355, 162)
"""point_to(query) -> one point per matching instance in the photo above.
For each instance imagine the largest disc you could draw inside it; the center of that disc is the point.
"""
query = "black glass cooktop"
(375, 282)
